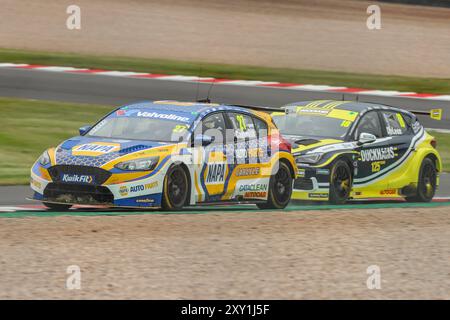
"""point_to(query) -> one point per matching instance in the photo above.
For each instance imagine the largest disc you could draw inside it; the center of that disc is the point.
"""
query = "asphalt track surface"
(115, 91)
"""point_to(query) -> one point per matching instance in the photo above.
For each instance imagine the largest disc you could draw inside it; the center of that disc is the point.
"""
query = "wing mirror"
(203, 140)
(365, 137)
(84, 129)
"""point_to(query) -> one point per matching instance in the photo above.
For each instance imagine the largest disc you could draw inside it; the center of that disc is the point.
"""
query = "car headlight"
(309, 158)
(44, 159)
(138, 164)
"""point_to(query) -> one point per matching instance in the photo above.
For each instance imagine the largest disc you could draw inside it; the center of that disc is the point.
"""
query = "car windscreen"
(311, 125)
(142, 126)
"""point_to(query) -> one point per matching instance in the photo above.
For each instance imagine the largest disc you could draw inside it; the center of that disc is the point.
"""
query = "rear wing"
(257, 108)
(435, 114)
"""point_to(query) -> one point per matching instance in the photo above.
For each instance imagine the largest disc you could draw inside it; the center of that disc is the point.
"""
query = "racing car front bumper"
(311, 184)
(92, 186)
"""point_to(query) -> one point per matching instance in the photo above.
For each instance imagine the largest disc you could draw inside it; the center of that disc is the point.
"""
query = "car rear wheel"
(57, 206)
(280, 189)
(426, 187)
(176, 189)
(340, 182)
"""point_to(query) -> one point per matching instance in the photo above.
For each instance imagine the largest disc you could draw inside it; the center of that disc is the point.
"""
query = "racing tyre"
(340, 182)
(426, 187)
(57, 206)
(176, 189)
(280, 189)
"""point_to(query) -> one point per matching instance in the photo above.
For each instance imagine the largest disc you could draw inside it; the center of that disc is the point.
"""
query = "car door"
(374, 156)
(400, 135)
(246, 181)
(212, 172)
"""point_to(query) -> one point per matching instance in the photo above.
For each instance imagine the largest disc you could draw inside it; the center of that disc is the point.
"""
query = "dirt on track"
(223, 255)
(322, 35)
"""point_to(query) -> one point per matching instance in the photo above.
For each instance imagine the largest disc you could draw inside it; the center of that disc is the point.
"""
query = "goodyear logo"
(216, 173)
(75, 178)
(95, 149)
(377, 154)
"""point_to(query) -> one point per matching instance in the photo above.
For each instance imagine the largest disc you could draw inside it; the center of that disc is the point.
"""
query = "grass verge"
(28, 127)
(382, 82)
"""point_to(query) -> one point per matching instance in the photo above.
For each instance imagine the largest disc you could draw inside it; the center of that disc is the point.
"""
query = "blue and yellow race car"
(353, 150)
(168, 154)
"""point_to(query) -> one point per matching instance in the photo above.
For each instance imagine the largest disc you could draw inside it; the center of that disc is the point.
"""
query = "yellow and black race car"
(353, 150)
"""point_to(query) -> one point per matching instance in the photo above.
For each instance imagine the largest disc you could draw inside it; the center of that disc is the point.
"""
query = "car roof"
(342, 105)
(181, 107)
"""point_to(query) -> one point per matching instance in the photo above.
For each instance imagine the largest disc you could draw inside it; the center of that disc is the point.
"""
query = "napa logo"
(75, 178)
(216, 173)
(95, 148)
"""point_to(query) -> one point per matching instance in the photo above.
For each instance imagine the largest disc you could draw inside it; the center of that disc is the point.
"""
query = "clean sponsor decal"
(253, 187)
(215, 173)
(75, 178)
(254, 190)
(242, 172)
(377, 154)
(95, 148)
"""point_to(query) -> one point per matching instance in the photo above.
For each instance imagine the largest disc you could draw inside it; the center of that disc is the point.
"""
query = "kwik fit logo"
(75, 178)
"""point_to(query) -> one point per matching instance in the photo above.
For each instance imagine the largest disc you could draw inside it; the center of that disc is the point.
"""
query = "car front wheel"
(176, 189)
(340, 182)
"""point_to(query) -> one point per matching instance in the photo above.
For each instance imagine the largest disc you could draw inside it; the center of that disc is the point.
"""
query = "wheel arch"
(347, 157)
(435, 159)
(289, 165)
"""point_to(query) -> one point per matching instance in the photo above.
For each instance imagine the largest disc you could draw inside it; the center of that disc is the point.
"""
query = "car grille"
(77, 193)
(303, 184)
(99, 175)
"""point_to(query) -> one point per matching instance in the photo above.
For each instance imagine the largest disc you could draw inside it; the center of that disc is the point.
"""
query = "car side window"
(369, 123)
(214, 125)
(395, 123)
(260, 127)
(243, 125)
